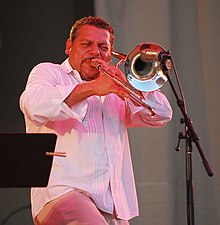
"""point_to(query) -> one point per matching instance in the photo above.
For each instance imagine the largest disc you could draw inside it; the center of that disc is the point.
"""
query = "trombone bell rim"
(148, 75)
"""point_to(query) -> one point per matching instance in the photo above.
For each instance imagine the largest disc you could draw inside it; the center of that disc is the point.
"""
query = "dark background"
(31, 32)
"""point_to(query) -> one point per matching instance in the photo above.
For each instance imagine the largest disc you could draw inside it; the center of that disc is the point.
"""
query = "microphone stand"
(190, 136)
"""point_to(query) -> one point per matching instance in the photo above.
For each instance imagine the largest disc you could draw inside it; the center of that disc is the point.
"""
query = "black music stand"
(23, 160)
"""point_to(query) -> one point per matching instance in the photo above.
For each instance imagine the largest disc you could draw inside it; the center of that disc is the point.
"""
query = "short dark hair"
(93, 21)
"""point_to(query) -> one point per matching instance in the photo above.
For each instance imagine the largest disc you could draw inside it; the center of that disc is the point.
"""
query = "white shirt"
(93, 133)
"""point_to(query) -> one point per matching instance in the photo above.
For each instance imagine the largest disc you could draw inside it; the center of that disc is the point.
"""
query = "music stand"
(23, 160)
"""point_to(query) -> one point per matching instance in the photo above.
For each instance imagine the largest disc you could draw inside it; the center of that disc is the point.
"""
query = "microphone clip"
(164, 55)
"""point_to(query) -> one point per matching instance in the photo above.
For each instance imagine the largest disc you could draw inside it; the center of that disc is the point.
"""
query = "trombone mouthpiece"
(95, 65)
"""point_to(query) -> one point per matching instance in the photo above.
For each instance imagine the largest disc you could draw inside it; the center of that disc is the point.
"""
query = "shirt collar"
(66, 66)
(68, 69)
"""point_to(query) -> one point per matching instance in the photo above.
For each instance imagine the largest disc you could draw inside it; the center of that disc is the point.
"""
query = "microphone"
(161, 56)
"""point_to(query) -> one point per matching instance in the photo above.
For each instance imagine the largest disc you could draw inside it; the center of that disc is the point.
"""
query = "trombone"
(143, 71)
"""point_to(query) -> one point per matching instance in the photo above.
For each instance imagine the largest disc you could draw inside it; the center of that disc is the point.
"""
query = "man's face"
(91, 42)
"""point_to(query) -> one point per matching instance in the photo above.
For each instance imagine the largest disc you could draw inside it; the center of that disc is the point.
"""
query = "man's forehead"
(88, 31)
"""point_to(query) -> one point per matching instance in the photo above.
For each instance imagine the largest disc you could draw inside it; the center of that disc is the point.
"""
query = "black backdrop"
(31, 32)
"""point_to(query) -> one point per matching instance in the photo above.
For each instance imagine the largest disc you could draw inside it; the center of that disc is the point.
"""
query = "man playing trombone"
(90, 113)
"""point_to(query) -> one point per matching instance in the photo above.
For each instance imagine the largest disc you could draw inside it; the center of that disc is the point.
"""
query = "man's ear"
(68, 46)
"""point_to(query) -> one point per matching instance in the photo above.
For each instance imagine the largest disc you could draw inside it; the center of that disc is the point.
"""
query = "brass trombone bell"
(142, 66)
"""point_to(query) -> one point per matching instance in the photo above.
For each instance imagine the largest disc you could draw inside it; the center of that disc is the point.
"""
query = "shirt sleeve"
(43, 98)
(139, 116)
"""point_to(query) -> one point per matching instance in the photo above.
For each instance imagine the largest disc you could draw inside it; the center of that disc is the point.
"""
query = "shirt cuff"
(77, 111)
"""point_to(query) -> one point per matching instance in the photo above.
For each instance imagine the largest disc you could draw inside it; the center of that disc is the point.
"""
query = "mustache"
(90, 58)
